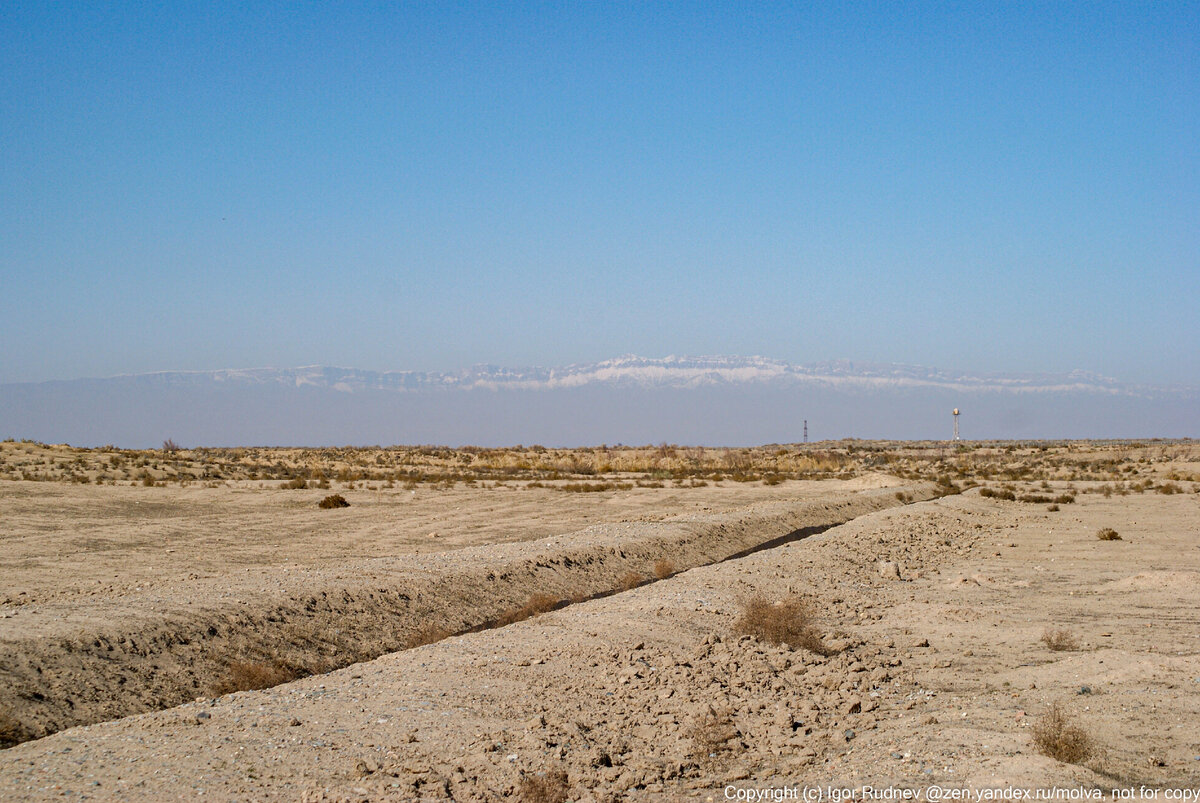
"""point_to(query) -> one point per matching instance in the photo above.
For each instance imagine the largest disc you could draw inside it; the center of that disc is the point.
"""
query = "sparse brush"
(537, 603)
(713, 733)
(630, 581)
(426, 634)
(553, 786)
(1059, 640)
(788, 622)
(12, 732)
(663, 568)
(251, 675)
(333, 501)
(297, 484)
(595, 487)
(1108, 534)
(1055, 736)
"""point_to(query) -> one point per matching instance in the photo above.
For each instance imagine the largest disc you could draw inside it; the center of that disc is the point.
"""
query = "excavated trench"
(126, 659)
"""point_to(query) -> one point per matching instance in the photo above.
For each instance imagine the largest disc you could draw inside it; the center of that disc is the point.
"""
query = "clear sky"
(987, 187)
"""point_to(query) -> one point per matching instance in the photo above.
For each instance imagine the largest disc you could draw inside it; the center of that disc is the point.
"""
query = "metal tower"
(806, 430)
(955, 423)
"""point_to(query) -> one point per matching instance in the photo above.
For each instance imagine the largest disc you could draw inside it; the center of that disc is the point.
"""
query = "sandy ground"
(75, 543)
(651, 695)
(210, 586)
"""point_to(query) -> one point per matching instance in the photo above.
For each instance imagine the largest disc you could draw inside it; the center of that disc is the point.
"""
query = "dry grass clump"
(252, 675)
(12, 732)
(630, 581)
(554, 786)
(663, 568)
(1108, 534)
(537, 603)
(427, 634)
(333, 501)
(1055, 736)
(790, 622)
(1060, 640)
(595, 487)
(713, 733)
(297, 484)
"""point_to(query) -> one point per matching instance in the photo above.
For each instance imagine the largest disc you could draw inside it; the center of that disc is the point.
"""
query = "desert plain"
(655, 623)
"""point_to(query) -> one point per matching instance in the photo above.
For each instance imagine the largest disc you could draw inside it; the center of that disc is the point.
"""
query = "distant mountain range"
(711, 400)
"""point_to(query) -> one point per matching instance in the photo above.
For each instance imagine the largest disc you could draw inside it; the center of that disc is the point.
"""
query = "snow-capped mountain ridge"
(665, 372)
(699, 400)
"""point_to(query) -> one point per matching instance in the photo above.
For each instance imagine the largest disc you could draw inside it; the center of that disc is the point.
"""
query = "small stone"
(294, 722)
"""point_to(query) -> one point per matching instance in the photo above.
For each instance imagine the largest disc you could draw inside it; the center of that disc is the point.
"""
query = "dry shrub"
(1108, 534)
(663, 568)
(427, 634)
(552, 787)
(595, 487)
(1060, 640)
(252, 675)
(1056, 737)
(713, 733)
(537, 603)
(332, 501)
(630, 581)
(297, 484)
(12, 731)
(790, 622)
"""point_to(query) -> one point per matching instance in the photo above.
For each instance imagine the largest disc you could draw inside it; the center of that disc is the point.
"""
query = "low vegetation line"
(50, 684)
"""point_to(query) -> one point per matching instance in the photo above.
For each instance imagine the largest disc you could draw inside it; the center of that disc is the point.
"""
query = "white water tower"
(955, 423)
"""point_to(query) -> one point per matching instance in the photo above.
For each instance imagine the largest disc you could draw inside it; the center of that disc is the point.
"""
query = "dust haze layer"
(711, 400)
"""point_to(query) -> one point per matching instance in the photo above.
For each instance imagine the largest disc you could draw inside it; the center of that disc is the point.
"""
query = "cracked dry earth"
(934, 610)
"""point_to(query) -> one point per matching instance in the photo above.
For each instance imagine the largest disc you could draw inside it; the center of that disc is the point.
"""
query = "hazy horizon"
(719, 401)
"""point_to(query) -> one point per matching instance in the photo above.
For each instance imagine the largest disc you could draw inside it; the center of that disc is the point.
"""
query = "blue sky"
(987, 187)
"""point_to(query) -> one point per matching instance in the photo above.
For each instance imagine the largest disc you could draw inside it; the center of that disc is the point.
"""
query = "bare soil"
(124, 600)
(934, 612)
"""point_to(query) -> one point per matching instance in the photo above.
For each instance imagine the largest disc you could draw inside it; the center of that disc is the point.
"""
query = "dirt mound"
(264, 627)
(1166, 581)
